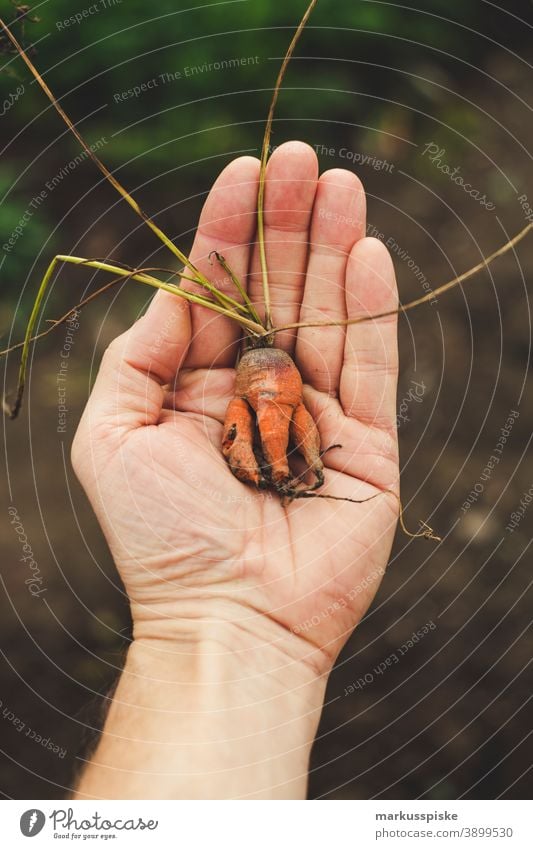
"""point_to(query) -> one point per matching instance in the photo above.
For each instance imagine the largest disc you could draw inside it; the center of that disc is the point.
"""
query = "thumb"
(128, 392)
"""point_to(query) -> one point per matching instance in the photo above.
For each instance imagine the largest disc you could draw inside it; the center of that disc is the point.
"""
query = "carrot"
(267, 412)
(269, 385)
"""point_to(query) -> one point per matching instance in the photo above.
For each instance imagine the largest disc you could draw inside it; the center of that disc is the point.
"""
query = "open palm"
(190, 541)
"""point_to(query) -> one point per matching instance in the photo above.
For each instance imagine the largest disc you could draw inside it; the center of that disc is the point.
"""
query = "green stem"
(238, 285)
(445, 287)
(252, 327)
(264, 160)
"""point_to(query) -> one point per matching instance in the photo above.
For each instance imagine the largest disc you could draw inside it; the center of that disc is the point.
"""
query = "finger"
(129, 389)
(227, 225)
(370, 369)
(339, 220)
(291, 181)
(349, 446)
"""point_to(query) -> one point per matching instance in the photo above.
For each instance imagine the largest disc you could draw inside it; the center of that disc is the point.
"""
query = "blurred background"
(413, 97)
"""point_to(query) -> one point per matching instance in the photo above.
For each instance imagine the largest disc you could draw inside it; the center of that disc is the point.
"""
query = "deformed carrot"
(266, 413)
(269, 385)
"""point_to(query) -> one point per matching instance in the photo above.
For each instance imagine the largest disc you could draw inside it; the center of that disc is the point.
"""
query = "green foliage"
(26, 242)
(364, 72)
(131, 43)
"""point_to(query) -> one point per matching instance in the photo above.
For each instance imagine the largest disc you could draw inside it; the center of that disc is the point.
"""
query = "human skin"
(240, 604)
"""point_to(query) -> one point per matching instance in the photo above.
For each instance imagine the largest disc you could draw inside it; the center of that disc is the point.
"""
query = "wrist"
(270, 662)
(214, 711)
(205, 626)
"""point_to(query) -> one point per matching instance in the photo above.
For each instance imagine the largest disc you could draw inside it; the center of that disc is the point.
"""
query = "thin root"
(425, 531)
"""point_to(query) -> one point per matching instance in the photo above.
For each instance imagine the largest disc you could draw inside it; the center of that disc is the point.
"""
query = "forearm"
(191, 720)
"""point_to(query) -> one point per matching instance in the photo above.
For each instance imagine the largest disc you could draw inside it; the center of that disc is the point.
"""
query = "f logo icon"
(32, 822)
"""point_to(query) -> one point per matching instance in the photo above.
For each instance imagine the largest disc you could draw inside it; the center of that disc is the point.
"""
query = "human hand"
(192, 544)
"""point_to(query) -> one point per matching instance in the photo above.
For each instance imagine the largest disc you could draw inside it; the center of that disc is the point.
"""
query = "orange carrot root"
(304, 435)
(237, 442)
(269, 385)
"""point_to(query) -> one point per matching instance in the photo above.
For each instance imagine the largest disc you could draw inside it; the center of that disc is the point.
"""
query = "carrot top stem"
(13, 409)
(451, 284)
(238, 285)
(264, 159)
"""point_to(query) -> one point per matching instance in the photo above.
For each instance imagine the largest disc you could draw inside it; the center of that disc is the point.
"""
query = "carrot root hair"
(425, 532)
